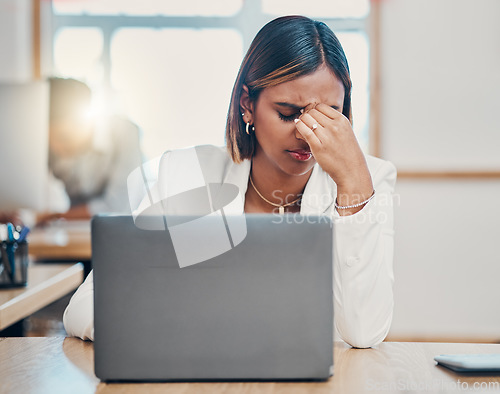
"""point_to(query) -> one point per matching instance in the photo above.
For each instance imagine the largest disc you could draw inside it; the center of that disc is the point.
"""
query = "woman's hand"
(335, 148)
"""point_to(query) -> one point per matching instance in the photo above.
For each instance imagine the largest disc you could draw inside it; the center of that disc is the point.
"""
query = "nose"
(298, 135)
(305, 110)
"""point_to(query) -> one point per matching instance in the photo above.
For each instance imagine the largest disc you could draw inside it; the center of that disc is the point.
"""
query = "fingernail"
(296, 120)
(302, 111)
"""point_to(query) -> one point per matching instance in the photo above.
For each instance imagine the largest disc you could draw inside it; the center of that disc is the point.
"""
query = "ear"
(246, 105)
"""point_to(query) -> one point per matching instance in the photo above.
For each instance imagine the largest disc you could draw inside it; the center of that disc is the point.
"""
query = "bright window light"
(178, 86)
(173, 76)
(318, 8)
(356, 49)
(148, 7)
(77, 53)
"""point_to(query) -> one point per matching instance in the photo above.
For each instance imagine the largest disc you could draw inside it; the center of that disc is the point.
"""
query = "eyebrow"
(297, 108)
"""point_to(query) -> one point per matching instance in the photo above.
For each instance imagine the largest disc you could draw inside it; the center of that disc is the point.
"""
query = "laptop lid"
(263, 310)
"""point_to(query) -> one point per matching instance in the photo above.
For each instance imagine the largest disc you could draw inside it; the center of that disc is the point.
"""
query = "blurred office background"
(426, 77)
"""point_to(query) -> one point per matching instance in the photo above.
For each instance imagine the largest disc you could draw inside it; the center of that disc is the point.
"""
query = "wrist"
(350, 201)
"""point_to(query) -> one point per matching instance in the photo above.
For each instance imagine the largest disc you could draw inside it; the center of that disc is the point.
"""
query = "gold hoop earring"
(248, 128)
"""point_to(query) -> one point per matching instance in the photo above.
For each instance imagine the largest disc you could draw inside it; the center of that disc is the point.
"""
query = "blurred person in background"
(90, 155)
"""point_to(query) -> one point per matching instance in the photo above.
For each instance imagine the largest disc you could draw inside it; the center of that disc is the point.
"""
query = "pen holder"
(13, 264)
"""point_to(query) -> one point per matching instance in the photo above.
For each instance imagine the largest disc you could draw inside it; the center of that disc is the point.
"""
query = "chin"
(298, 168)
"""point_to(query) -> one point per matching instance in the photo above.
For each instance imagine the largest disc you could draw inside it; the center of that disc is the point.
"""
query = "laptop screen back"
(262, 310)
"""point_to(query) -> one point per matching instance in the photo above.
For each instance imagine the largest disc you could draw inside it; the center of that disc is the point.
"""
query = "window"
(170, 65)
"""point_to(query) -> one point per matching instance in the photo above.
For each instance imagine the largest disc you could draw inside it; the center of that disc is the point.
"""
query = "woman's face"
(279, 145)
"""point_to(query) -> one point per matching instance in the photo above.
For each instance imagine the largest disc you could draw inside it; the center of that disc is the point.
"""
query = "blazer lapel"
(319, 193)
(237, 175)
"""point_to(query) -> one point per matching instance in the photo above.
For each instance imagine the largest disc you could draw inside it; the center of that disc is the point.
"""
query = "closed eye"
(288, 118)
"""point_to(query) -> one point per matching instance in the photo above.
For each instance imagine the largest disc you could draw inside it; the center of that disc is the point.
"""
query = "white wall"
(15, 40)
(447, 260)
(441, 80)
(440, 111)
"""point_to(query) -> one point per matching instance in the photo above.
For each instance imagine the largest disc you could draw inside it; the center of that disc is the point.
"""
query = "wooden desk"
(46, 284)
(64, 365)
(61, 240)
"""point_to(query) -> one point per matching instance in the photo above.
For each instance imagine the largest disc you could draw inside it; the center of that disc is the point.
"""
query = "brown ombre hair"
(284, 49)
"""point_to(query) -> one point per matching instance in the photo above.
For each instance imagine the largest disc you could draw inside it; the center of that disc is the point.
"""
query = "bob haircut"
(286, 48)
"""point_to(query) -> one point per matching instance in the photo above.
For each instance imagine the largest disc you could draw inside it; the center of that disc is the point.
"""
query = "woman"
(291, 148)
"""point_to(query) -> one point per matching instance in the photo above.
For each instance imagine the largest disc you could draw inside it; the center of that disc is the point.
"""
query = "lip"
(300, 154)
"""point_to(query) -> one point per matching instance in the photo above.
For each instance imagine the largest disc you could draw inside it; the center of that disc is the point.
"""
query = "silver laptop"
(262, 310)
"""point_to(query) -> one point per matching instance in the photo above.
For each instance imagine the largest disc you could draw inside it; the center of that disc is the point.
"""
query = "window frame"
(247, 21)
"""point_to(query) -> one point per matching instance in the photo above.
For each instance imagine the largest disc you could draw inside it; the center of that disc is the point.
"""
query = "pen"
(24, 232)
(11, 256)
(10, 231)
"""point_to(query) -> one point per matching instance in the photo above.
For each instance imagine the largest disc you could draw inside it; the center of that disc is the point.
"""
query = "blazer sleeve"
(78, 317)
(363, 265)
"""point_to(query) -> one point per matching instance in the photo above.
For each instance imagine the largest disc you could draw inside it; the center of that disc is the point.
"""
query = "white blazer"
(363, 243)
